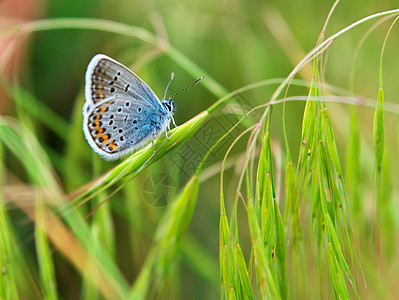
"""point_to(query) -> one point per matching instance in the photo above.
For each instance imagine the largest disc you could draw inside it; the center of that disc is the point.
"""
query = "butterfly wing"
(119, 126)
(107, 79)
(121, 113)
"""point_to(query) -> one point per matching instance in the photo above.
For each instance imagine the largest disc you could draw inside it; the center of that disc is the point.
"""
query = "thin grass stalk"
(271, 223)
(7, 261)
(266, 285)
(45, 259)
(233, 282)
(379, 145)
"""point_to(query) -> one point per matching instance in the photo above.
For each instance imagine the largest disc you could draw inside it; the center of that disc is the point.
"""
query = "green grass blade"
(132, 166)
(267, 287)
(200, 260)
(46, 264)
(162, 258)
(36, 164)
(247, 292)
(271, 223)
(41, 112)
(379, 131)
(224, 252)
(7, 261)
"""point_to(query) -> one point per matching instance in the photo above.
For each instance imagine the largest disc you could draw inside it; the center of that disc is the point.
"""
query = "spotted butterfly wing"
(121, 113)
(107, 79)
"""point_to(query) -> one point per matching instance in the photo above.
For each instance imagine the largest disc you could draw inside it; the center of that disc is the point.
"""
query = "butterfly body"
(121, 113)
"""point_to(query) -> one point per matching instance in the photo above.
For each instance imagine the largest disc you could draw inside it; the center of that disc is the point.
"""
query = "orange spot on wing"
(96, 124)
(99, 131)
(104, 137)
(103, 109)
(112, 146)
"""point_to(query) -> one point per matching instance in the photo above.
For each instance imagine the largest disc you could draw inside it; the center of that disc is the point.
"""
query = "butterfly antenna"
(191, 85)
(170, 80)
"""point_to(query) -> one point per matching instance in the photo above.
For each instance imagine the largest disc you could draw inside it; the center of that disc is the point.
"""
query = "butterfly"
(121, 113)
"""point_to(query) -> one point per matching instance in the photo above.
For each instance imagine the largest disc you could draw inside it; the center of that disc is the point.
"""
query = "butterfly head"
(169, 105)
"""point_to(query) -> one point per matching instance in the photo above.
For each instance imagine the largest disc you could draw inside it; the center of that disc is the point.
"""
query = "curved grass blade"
(162, 258)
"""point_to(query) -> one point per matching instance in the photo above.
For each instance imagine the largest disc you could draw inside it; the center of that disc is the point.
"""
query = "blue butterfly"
(121, 113)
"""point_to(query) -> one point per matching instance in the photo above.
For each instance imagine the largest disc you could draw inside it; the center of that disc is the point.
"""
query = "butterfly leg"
(166, 132)
(173, 120)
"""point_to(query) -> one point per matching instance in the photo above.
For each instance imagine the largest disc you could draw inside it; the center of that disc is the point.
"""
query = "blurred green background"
(237, 43)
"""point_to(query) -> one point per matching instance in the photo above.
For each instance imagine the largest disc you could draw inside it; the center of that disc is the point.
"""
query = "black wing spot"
(127, 103)
(134, 121)
(121, 138)
(119, 109)
(111, 116)
(95, 123)
(111, 83)
(111, 122)
(120, 130)
(112, 90)
(100, 139)
(127, 87)
(115, 127)
(96, 117)
(139, 109)
(115, 78)
(136, 128)
(119, 73)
